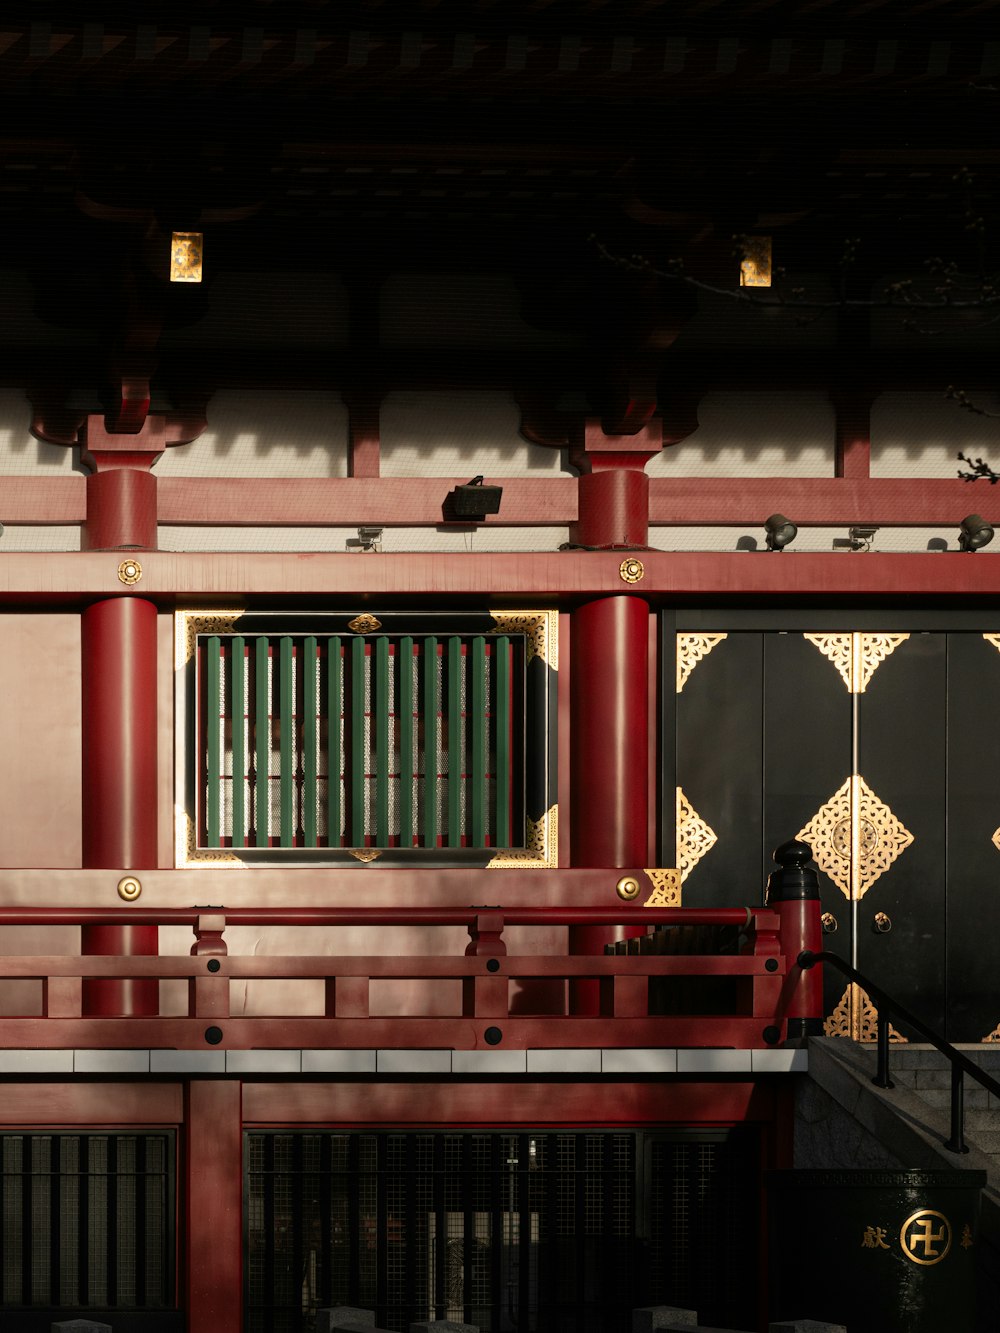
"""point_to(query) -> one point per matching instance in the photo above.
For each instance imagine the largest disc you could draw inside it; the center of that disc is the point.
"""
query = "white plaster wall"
(919, 434)
(394, 540)
(37, 537)
(442, 434)
(20, 453)
(735, 320)
(755, 435)
(274, 433)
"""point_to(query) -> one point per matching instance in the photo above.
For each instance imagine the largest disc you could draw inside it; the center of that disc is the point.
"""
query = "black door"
(879, 747)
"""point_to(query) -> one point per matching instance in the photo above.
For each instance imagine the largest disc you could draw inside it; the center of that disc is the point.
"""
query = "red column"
(118, 646)
(213, 1230)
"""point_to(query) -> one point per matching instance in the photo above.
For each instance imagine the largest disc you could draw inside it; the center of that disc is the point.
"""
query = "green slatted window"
(310, 740)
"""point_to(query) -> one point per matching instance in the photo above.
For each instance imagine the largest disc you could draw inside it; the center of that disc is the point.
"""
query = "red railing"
(767, 975)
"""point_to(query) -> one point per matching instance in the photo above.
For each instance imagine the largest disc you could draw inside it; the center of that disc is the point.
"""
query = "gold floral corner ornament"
(691, 649)
(631, 571)
(364, 624)
(187, 250)
(694, 837)
(129, 572)
(365, 854)
(189, 624)
(857, 1018)
(994, 1035)
(994, 639)
(540, 630)
(666, 884)
(855, 838)
(540, 851)
(856, 656)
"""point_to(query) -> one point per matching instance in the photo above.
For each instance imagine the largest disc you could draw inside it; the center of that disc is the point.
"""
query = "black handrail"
(886, 1005)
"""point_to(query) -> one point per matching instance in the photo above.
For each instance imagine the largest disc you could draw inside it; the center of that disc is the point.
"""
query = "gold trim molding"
(856, 1017)
(691, 649)
(540, 628)
(188, 854)
(189, 624)
(694, 837)
(666, 884)
(855, 838)
(856, 656)
(541, 849)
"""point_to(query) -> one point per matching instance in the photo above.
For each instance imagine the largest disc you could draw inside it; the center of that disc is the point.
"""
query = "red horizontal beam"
(527, 501)
(387, 916)
(232, 578)
(397, 1033)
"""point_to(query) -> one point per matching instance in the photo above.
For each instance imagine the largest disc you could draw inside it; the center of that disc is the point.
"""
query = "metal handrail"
(886, 1005)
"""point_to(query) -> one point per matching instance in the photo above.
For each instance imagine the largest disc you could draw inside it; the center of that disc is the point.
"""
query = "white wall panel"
(920, 434)
(441, 434)
(755, 435)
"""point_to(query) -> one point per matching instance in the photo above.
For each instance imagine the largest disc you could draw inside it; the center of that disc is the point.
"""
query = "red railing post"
(793, 891)
(486, 996)
(208, 995)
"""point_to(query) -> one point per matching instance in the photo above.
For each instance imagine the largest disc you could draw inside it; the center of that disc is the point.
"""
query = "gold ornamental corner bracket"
(364, 624)
(994, 1035)
(189, 624)
(856, 1017)
(540, 630)
(129, 888)
(631, 571)
(695, 838)
(666, 882)
(994, 639)
(541, 850)
(129, 572)
(365, 854)
(995, 840)
(856, 656)
(188, 853)
(692, 649)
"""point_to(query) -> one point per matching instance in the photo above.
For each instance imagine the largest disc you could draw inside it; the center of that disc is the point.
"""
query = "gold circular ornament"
(631, 570)
(922, 1240)
(129, 888)
(129, 572)
(627, 888)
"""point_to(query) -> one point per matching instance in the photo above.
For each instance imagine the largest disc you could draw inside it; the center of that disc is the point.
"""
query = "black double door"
(880, 745)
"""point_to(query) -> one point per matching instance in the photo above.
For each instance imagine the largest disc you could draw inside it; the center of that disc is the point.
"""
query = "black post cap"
(795, 878)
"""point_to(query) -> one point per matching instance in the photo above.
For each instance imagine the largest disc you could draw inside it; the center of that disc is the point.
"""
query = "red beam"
(518, 1102)
(213, 1230)
(234, 578)
(82, 1103)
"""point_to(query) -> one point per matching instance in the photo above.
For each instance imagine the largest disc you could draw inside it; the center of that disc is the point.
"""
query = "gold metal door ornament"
(856, 656)
(691, 649)
(855, 838)
(694, 837)
(857, 1018)
(666, 888)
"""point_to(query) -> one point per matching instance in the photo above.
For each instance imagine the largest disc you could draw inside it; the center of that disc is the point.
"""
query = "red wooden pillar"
(212, 1234)
(118, 646)
(609, 736)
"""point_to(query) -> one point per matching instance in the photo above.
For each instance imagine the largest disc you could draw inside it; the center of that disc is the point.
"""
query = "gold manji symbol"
(923, 1240)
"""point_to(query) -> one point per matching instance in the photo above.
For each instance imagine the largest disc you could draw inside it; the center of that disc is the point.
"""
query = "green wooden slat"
(477, 759)
(286, 704)
(309, 740)
(238, 718)
(454, 741)
(334, 677)
(383, 760)
(430, 715)
(405, 718)
(358, 755)
(501, 672)
(213, 695)
(263, 739)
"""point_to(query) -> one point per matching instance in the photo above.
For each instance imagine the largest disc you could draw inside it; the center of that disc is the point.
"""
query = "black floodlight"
(975, 533)
(473, 501)
(781, 532)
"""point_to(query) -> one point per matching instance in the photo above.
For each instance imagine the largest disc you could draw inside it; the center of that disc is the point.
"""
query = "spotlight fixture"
(858, 538)
(781, 532)
(975, 533)
(473, 501)
(368, 539)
